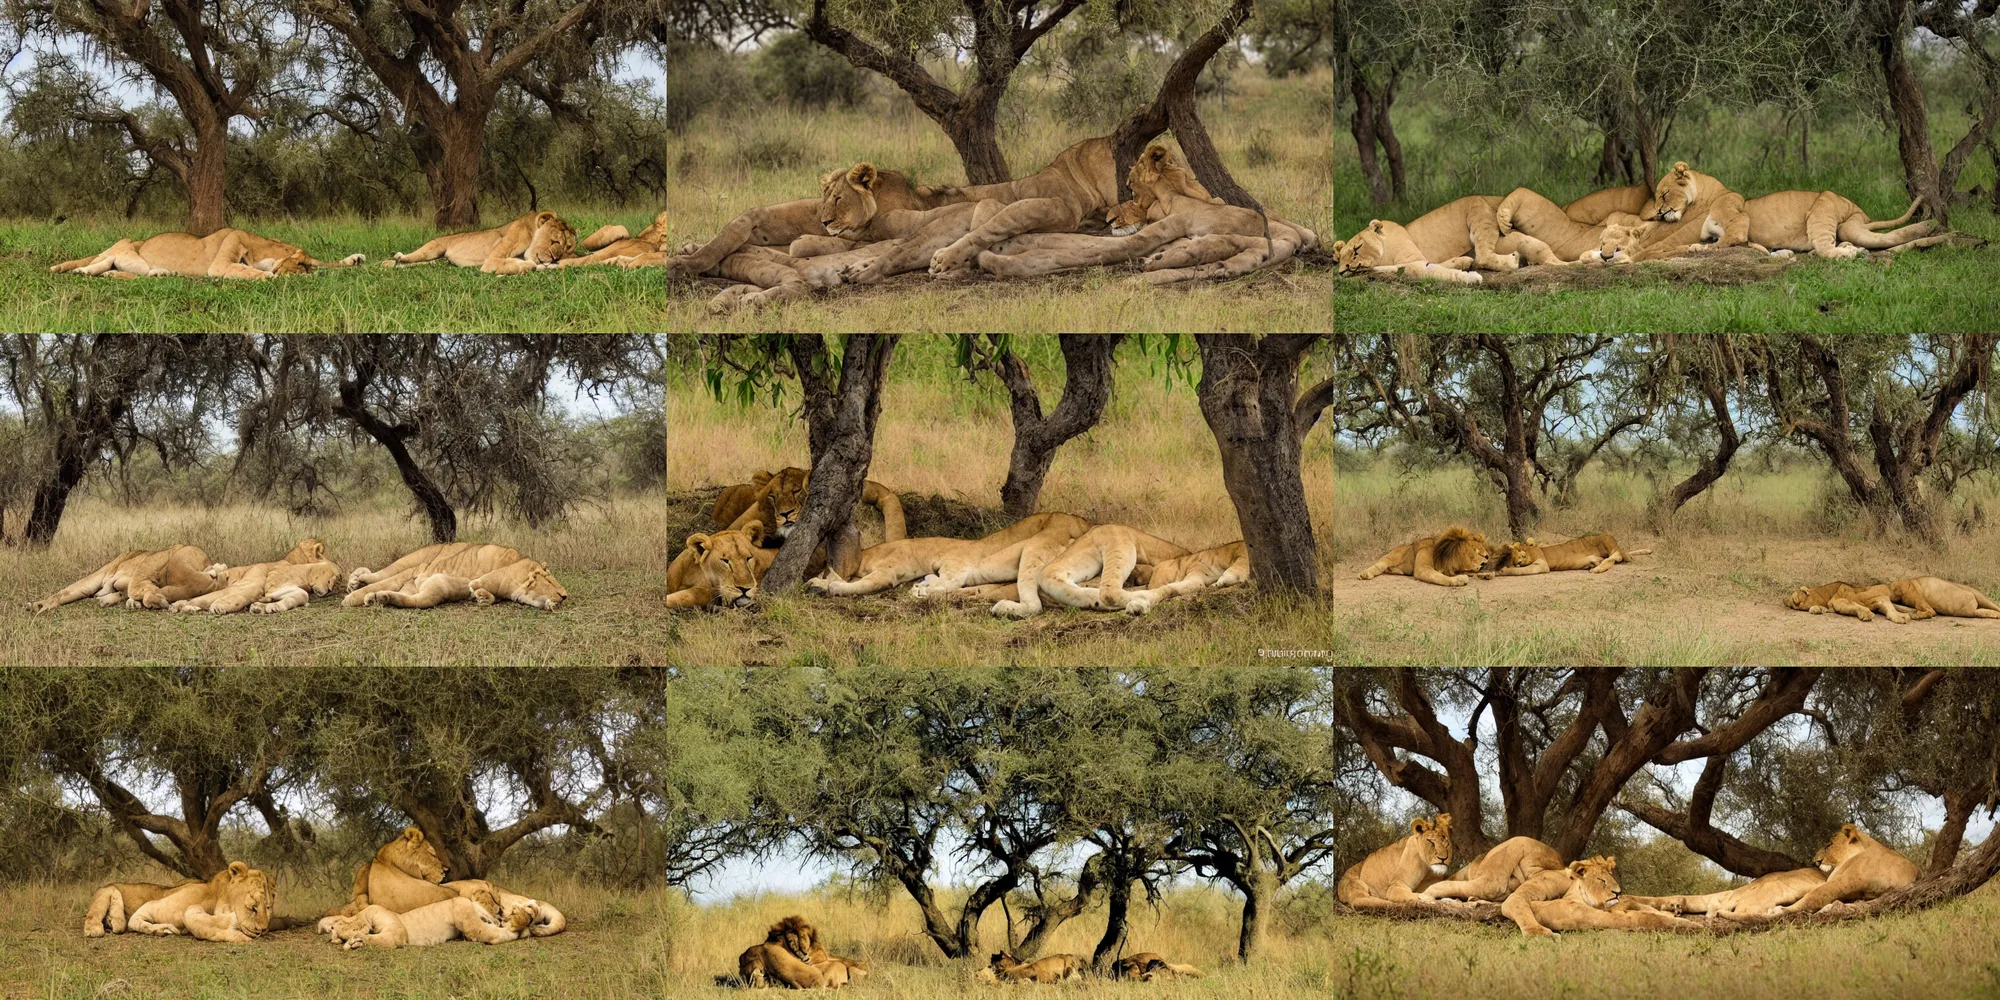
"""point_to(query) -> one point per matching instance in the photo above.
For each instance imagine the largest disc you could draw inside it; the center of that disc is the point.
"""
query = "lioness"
(1599, 206)
(1183, 216)
(1596, 553)
(950, 564)
(427, 925)
(778, 500)
(1397, 873)
(1857, 867)
(524, 581)
(150, 579)
(1146, 966)
(611, 244)
(515, 248)
(1445, 244)
(850, 210)
(1115, 552)
(225, 253)
(1005, 968)
(1526, 211)
(1444, 560)
(466, 559)
(784, 957)
(407, 873)
(270, 587)
(1692, 211)
(1082, 180)
(234, 906)
(1494, 875)
(778, 225)
(1759, 897)
(1581, 896)
(1786, 221)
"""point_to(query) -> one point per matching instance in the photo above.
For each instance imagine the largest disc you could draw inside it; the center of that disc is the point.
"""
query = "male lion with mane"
(515, 248)
(784, 957)
(1444, 560)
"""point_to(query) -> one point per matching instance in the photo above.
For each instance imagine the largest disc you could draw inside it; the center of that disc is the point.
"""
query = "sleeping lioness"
(515, 248)
(1925, 596)
(225, 253)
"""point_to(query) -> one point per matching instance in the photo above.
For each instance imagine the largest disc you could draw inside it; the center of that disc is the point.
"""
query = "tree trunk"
(1906, 101)
(207, 208)
(1174, 105)
(1714, 385)
(1959, 805)
(1700, 836)
(974, 132)
(1117, 905)
(840, 466)
(1361, 124)
(1086, 388)
(1668, 712)
(453, 173)
(1259, 888)
(45, 514)
(354, 406)
(1247, 393)
(1385, 133)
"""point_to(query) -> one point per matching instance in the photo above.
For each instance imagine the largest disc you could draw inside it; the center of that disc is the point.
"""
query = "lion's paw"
(1138, 605)
(271, 608)
(1849, 251)
(958, 256)
(1781, 253)
(1898, 617)
(931, 586)
(482, 596)
(817, 585)
(1010, 609)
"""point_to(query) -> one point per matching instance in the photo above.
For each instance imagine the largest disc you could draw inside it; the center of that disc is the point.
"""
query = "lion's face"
(847, 198)
(795, 936)
(1433, 839)
(251, 896)
(412, 855)
(1515, 554)
(1595, 880)
(296, 262)
(788, 499)
(1799, 600)
(1126, 217)
(541, 590)
(1381, 243)
(1846, 843)
(1676, 192)
(1619, 242)
(1453, 556)
(321, 578)
(726, 562)
(554, 239)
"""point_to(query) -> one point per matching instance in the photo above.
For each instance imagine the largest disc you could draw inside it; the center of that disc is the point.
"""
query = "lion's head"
(726, 562)
(527, 582)
(1805, 598)
(412, 855)
(249, 893)
(1518, 553)
(1433, 838)
(1126, 217)
(787, 491)
(1459, 551)
(295, 262)
(1676, 193)
(320, 578)
(1847, 842)
(1620, 241)
(847, 198)
(656, 233)
(486, 898)
(554, 239)
(311, 550)
(1594, 880)
(795, 936)
(1379, 244)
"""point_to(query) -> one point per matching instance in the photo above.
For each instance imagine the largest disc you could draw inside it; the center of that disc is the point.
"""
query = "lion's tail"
(1876, 227)
(891, 506)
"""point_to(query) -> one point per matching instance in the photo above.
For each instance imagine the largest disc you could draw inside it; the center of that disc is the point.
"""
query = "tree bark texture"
(1086, 389)
(1712, 374)
(1174, 106)
(1247, 393)
(841, 451)
(393, 437)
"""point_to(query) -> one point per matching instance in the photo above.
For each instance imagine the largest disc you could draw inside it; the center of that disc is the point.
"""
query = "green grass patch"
(435, 297)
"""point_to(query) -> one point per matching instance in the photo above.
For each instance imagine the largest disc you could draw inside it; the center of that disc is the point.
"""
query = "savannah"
(1720, 453)
(309, 124)
(758, 113)
(242, 448)
(1568, 98)
(942, 443)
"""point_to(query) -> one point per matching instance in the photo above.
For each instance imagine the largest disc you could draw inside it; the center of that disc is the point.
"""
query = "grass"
(611, 561)
(724, 166)
(1151, 463)
(1448, 157)
(658, 945)
(432, 297)
(1710, 594)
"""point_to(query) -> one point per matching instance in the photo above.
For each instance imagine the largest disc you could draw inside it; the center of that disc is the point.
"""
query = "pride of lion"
(531, 242)
(871, 223)
(1687, 212)
(181, 578)
(1458, 555)
(1051, 554)
(1544, 895)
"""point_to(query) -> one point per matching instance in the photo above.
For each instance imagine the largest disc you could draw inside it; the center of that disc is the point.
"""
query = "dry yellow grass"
(715, 181)
(611, 560)
(1151, 463)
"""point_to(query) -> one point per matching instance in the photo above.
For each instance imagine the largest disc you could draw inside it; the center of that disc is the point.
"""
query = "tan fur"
(1497, 873)
(949, 564)
(1399, 872)
(1785, 221)
(1146, 966)
(265, 587)
(110, 904)
(524, 581)
(1444, 560)
(1006, 968)
(1445, 244)
(515, 248)
(1857, 867)
(143, 579)
(778, 225)
(784, 957)
(1161, 171)
(1694, 212)
(1842, 598)
(721, 569)
(1598, 206)
(1112, 552)
(424, 926)
(1526, 211)
(225, 253)
(234, 906)
(778, 500)
(1181, 217)
(1581, 896)
(406, 873)
(1757, 898)
(1596, 553)
(1082, 181)
(610, 245)
(467, 559)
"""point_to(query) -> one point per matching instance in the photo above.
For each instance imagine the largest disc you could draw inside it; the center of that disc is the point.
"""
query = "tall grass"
(610, 559)
(433, 297)
(725, 164)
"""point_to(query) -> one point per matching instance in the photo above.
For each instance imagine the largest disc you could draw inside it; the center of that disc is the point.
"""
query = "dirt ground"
(1699, 602)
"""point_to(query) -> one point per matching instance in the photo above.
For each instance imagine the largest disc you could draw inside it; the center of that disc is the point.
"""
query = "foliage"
(793, 70)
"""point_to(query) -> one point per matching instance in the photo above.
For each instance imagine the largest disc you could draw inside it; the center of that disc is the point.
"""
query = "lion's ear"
(754, 531)
(412, 834)
(1680, 167)
(864, 176)
(238, 869)
(699, 543)
(1444, 819)
(1849, 830)
(1375, 225)
(1420, 825)
(760, 479)
(1576, 869)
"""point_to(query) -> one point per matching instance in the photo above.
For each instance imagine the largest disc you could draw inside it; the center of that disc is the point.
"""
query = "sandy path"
(1677, 606)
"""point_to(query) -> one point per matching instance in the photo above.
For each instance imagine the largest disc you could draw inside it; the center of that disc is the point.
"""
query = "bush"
(699, 77)
(794, 70)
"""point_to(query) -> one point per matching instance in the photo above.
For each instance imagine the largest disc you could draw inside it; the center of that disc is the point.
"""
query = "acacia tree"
(1087, 377)
(477, 47)
(1249, 397)
(1887, 27)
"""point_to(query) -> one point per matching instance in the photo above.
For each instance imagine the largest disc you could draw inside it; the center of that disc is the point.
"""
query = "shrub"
(794, 70)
